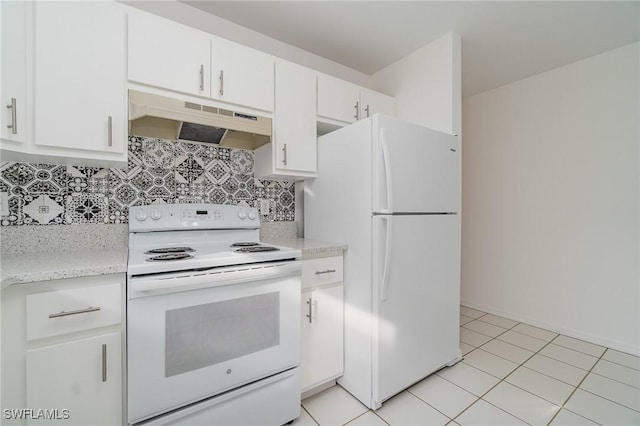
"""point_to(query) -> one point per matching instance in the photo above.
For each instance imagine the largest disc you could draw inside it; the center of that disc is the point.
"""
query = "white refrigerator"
(391, 191)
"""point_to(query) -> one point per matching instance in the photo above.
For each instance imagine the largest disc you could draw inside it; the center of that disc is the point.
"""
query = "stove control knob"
(242, 214)
(141, 216)
(156, 214)
(252, 215)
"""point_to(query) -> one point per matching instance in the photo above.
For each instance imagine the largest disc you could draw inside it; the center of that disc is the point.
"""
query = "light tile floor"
(512, 374)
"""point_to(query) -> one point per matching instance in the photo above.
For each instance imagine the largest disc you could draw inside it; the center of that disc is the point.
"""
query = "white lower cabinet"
(62, 351)
(322, 330)
(81, 379)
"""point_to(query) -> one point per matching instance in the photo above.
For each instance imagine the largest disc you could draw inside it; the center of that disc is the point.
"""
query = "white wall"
(550, 214)
(187, 15)
(427, 84)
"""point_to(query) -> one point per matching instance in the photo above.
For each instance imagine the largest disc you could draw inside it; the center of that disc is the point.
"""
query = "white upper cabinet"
(373, 102)
(338, 99)
(171, 56)
(168, 55)
(292, 153)
(341, 102)
(80, 93)
(13, 89)
(241, 75)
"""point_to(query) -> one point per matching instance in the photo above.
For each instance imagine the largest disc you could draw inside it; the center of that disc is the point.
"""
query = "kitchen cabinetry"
(322, 314)
(373, 102)
(292, 152)
(241, 75)
(341, 103)
(72, 69)
(62, 346)
(13, 88)
(338, 99)
(172, 56)
(82, 376)
(165, 54)
(80, 94)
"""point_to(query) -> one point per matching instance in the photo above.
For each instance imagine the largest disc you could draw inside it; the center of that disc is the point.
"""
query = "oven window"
(203, 335)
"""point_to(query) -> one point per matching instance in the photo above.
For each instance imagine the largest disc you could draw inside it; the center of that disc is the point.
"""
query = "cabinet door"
(373, 102)
(168, 55)
(83, 376)
(241, 75)
(338, 99)
(80, 93)
(294, 131)
(321, 356)
(13, 90)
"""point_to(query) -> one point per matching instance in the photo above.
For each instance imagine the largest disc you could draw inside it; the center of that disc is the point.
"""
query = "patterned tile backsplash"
(159, 171)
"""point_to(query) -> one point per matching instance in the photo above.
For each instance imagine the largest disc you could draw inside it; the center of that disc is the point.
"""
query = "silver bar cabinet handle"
(79, 311)
(284, 150)
(367, 110)
(201, 77)
(356, 106)
(328, 271)
(110, 131)
(104, 362)
(309, 302)
(14, 125)
(221, 82)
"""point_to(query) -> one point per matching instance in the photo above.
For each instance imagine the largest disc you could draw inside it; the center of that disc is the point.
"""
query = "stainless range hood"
(167, 118)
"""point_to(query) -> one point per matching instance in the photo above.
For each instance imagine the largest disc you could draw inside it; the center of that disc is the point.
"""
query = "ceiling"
(502, 41)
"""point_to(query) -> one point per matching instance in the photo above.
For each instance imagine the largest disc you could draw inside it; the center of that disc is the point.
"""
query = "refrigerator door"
(415, 169)
(416, 294)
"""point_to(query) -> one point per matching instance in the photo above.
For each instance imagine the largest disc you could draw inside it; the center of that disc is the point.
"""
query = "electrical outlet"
(4, 204)
(264, 207)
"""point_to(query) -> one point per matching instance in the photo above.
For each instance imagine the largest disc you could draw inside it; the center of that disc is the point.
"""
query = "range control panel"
(169, 217)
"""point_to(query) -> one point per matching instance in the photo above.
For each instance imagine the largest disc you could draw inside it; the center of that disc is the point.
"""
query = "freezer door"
(415, 169)
(416, 296)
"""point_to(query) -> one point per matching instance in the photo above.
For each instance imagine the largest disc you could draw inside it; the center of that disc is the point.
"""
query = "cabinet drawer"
(67, 311)
(326, 270)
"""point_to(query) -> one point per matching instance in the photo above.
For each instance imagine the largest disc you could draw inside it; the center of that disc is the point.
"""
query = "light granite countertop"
(22, 269)
(310, 248)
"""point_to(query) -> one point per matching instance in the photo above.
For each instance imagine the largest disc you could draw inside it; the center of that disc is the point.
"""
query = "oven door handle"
(194, 280)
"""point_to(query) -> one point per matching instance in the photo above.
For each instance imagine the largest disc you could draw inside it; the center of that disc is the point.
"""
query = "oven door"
(192, 335)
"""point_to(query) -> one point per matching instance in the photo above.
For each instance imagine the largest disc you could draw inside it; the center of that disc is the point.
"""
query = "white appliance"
(212, 319)
(391, 191)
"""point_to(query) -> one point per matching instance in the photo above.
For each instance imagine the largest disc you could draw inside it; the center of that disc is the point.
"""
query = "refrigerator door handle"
(387, 169)
(387, 260)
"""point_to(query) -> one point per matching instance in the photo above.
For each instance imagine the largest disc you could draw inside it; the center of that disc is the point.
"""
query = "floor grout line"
(503, 379)
(577, 386)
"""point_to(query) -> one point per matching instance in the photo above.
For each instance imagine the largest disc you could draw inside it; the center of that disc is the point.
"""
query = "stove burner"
(245, 244)
(169, 250)
(169, 256)
(256, 249)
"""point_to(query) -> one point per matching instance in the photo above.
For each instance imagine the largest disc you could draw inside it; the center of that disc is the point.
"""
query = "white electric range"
(212, 319)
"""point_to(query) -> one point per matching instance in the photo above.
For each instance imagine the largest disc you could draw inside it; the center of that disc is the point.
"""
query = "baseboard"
(576, 334)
